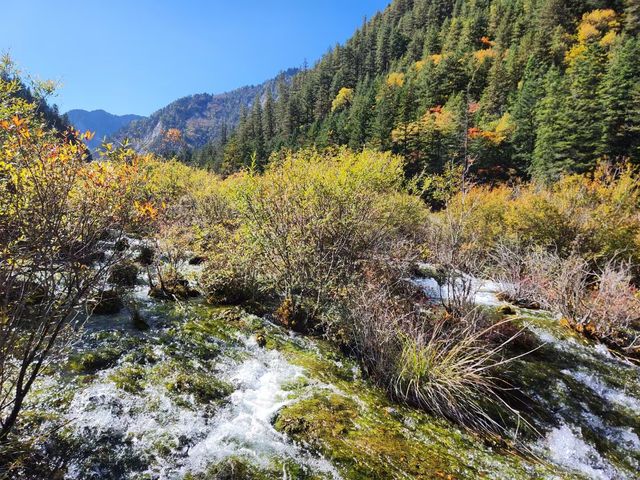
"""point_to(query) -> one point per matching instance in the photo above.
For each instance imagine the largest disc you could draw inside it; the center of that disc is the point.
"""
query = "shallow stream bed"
(196, 396)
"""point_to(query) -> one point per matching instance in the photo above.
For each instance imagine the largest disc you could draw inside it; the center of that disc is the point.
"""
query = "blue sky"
(135, 56)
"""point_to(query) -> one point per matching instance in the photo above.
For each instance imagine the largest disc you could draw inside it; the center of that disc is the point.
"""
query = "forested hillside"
(506, 87)
(194, 121)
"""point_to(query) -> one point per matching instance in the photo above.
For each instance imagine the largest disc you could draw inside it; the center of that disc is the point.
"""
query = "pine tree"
(360, 115)
(383, 49)
(523, 114)
(269, 124)
(585, 115)
(257, 132)
(619, 137)
(552, 153)
(632, 16)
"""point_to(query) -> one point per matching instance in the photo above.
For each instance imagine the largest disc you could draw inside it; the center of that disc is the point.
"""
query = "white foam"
(603, 350)
(623, 437)
(481, 292)
(567, 448)
(242, 427)
(612, 395)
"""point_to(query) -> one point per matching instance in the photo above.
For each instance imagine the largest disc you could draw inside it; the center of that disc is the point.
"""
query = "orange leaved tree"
(57, 214)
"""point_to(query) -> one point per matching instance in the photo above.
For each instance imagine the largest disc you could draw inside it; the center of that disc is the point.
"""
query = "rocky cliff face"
(193, 121)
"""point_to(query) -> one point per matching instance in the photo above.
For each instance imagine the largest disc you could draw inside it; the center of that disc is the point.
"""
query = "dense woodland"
(511, 88)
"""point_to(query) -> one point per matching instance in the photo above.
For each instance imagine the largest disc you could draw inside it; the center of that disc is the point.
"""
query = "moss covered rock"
(130, 378)
(124, 274)
(90, 362)
(107, 302)
(204, 388)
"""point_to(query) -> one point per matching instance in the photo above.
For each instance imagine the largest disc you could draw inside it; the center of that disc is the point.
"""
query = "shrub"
(600, 303)
(228, 280)
(55, 208)
(309, 224)
(595, 216)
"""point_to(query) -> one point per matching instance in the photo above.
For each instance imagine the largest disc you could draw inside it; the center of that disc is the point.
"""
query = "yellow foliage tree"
(344, 97)
(395, 79)
(55, 210)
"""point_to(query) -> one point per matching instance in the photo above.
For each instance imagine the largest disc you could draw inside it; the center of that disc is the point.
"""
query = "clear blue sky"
(135, 56)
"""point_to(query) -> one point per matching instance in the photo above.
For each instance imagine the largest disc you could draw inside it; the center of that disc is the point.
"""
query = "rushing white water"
(566, 447)
(244, 427)
(601, 389)
(480, 292)
(625, 437)
(240, 428)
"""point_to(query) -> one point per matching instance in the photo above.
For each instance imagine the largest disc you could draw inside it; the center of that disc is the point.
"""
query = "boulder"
(107, 302)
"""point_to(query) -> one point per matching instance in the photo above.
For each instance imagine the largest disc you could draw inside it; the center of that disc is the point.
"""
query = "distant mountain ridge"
(103, 124)
(196, 120)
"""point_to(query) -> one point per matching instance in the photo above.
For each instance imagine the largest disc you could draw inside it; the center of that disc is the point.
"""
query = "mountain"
(194, 121)
(102, 123)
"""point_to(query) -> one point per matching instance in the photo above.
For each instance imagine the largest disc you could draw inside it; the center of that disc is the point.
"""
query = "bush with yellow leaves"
(56, 211)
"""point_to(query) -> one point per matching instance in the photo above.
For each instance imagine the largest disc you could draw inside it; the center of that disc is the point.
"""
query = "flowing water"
(195, 396)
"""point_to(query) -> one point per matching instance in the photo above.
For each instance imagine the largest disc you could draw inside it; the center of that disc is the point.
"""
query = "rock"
(138, 320)
(291, 314)
(197, 260)
(130, 378)
(92, 361)
(506, 310)
(107, 302)
(124, 274)
(121, 245)
(261, 340)
(92, 257)
(204, 388)
(159, 294)
(174, 290)
(146, 255)
(529, 304)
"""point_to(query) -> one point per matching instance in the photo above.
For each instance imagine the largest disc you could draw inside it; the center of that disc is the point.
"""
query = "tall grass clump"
(448, 365)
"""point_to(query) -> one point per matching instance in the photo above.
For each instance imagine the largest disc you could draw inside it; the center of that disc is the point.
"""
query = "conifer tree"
(523, 115)
(552, 153)
(619, 102)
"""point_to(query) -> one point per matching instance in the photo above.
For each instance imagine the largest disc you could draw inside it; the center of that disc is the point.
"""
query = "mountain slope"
(194, 121)
(505, 88)
(102, 123)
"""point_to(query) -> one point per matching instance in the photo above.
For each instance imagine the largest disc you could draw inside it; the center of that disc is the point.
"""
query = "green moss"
(107, 302)
(130, 378)
(366, 435)
(312, 419)
(124, 274)
(323, 362)
(369, 441)
(205, 389)
(93, 361)
(331, 425)
(239, 468)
